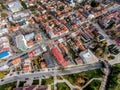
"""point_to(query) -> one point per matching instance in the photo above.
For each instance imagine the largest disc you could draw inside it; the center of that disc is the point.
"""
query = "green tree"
(4, 15)
(111, 57)
(23, 4)
(94, 3)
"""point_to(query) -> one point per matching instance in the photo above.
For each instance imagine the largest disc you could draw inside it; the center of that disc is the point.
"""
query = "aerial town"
(59, 44)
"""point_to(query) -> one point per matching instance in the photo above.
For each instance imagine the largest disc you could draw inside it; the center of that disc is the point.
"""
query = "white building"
(88, 57)
(3, 31)
(21, 42)
(15, 6)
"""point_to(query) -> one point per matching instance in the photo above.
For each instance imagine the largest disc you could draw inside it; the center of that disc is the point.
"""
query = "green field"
(114, 79)
(82, 78)
(94, 85)
(62, 86)
(47, 81)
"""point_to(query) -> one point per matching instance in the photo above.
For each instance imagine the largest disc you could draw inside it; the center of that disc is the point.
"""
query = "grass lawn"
(62, 86)
(94, 85)
(8, 86)
(35, 82)
(114, 78)
(47, 81)
(82, 78)
(52, 87)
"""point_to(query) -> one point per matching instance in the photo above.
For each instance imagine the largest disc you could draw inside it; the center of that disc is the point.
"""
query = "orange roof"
(26, 67)
(30, 54)
(5, 49)
(43, 65)
(38, 37)
(62, 46)
(16, 61)
(13, 28)
(30, 43)
(81, 47)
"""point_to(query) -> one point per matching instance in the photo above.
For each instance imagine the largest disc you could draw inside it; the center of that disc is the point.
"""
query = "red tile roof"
(57, 54)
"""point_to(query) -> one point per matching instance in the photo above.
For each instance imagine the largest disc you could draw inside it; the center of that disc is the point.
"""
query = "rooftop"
(15, 6)
(88, 57)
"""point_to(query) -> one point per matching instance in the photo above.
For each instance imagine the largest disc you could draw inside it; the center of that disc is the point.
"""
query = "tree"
(3, 6)
(94, 3)
(23, 4)
(111, 57)
(4, 15)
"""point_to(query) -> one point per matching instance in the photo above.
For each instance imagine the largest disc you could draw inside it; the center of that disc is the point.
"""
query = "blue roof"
(4, 54)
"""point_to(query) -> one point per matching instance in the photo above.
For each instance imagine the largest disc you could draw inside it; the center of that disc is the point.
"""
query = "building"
(21, 42)
(88, 57)
(4, 67)
(4, 48)
(16, 61)
(48, 60)
(15, 6)
(100, 38)
(30, 36)
(19, 16)
(58, 55)
(3, 31)
(27, 65)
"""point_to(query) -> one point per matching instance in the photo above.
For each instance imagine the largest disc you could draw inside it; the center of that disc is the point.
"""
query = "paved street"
(51, 73)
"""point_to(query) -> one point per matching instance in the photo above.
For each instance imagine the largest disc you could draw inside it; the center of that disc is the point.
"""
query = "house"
(38, 37)
(43, 64)
(88, 57)
(16, 61)
(29, 39)
(27, 65)
(15, 6)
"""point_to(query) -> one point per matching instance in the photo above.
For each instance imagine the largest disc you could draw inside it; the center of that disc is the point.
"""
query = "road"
(58, 72)
(107, 71)
(45, 74)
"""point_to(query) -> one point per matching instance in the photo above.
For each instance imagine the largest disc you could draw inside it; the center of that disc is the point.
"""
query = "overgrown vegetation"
(8, 86)
(62, 86)
(47, 81)
(114, 78)
(82, 78)
(94, 85)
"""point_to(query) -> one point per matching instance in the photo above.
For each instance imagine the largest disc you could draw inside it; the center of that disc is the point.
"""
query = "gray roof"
(48, 60)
